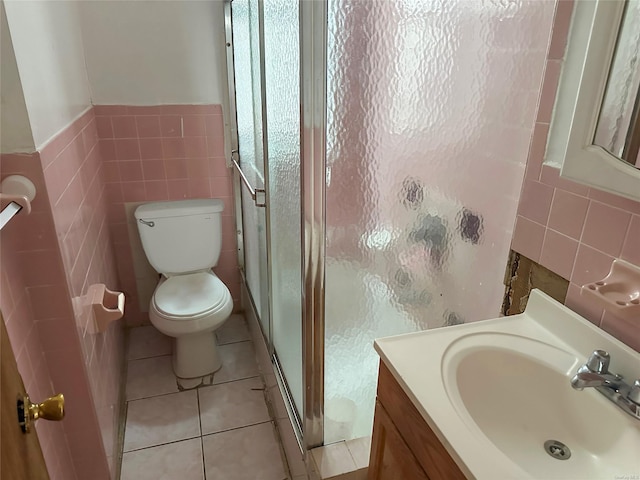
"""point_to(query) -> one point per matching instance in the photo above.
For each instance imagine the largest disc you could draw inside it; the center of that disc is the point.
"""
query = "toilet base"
(196, 355)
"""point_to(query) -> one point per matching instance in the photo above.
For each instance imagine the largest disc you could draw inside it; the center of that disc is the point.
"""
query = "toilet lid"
(189, 295)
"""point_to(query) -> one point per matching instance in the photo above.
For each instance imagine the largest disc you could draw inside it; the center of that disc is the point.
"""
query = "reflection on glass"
(618, 129)
(430, 106)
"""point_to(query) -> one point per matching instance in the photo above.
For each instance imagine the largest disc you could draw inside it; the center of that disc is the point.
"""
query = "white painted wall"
(15, 131)
(47, 42)
(143, 52)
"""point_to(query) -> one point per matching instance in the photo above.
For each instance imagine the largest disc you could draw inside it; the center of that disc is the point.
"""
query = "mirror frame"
(590, 48)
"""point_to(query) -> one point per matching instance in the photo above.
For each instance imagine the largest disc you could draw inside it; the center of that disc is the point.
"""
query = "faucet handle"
(634, 393)
(598, 362)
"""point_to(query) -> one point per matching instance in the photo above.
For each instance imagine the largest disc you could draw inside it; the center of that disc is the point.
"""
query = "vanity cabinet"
(403, 447)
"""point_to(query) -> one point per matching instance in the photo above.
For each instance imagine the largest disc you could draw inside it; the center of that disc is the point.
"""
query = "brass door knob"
(51, 409)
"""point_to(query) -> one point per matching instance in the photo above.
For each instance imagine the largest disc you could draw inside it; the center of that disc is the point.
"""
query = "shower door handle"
(258, 195)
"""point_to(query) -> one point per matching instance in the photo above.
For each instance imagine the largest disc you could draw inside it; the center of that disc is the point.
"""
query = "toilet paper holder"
(107, 306)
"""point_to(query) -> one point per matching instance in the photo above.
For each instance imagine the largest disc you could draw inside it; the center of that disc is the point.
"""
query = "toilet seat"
(190, 296)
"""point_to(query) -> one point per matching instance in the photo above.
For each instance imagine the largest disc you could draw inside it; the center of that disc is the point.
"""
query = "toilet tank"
(181, 236)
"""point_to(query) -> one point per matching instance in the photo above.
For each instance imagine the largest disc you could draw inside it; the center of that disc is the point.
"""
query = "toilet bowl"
(182, 241)
(190, 308)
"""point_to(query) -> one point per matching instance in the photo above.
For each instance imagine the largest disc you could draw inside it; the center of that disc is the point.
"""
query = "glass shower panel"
(430, 112)
(250, 141)
(282, 59)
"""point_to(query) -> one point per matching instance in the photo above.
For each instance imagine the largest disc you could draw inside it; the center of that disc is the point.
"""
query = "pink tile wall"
(165, 152)
(572, 229)
(74, 175)
(22, 297)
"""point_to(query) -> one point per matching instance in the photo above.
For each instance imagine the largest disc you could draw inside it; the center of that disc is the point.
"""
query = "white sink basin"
(516, 392)
(496, 391)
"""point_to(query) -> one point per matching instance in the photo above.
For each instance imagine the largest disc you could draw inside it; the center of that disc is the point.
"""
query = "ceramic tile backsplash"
(573, 230)
(156, 153)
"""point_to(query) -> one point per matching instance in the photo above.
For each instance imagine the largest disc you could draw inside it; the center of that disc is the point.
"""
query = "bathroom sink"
(516, 392)
(498, 395)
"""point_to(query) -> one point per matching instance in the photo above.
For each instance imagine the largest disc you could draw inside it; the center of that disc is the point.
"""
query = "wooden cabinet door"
(20, 454)
(391, 458)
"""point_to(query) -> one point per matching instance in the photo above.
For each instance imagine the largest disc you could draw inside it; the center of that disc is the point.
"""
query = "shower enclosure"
(383, 144)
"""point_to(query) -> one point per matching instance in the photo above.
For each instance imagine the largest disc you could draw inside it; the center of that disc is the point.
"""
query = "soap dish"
(618, 292)
(107, 306)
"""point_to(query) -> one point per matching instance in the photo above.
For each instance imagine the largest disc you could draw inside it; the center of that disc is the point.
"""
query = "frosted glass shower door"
(281, 38)
(430, 110)
(266, 66)
(249, 114)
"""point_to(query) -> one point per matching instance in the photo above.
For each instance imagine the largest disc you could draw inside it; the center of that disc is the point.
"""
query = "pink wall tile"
(194, 126)
(586, 227)
(124, 126)
(151, 148)
(107, 149)
(80, 224)
(171, 126)
(148, 126)
(615, 200)
(18, 307)
(606, 228)
(558, 253)
(127, 149)
(561, 24)
(549, 87)
(551, 176)
(536, 151)
(104, 127)
(568, 212)
(176, 168)
(131, 170)
(631, 248)
(528, 237)
(153, 170)
(182, 152)
(535, 201)
(173, 147)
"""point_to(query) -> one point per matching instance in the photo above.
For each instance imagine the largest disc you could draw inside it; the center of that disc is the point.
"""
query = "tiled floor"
(221, 431)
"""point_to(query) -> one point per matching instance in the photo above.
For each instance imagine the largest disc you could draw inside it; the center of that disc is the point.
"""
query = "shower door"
(248, 147)
(264, 67)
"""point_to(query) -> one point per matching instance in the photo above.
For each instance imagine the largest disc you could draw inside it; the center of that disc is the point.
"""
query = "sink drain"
(557, 450)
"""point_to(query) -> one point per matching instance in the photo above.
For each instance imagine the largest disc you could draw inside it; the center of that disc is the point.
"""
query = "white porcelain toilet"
(182, 241)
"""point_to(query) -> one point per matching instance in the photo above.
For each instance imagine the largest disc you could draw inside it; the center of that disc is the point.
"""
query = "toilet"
(182, 241)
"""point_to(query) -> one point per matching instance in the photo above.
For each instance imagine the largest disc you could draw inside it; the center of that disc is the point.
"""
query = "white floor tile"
(238, 362)
(246, 453)
(150, 376)
(232, 405)
(180, 460)
(157, 420)
(332, 460)
(359, 449)
(234, 330)
(147, 341)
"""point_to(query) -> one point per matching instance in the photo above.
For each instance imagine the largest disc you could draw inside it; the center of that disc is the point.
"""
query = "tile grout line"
(191, 389)
(162, 444)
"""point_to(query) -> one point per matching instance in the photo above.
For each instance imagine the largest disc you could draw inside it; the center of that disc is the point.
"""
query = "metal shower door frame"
(313, 107)
(313, 121)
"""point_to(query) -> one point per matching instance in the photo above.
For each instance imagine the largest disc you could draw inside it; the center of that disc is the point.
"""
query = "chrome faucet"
(595, 373)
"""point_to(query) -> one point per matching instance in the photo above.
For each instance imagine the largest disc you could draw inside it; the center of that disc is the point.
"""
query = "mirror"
(594, 132)
(618, 128)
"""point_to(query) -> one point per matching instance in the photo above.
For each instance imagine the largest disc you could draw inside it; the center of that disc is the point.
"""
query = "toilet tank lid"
(179, 208)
